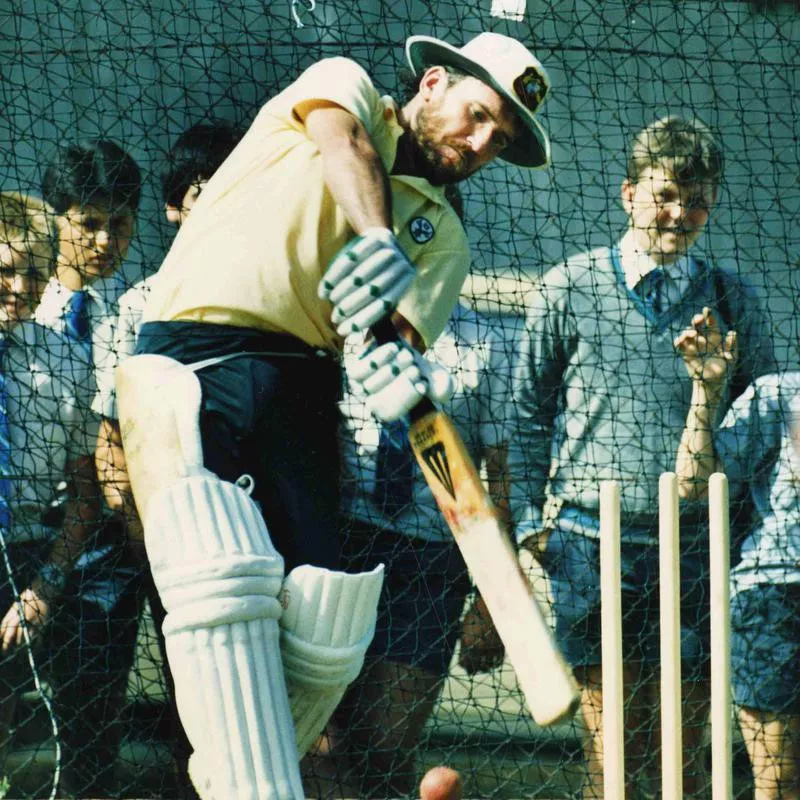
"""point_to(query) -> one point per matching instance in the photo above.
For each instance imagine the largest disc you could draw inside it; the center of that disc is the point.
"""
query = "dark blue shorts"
(765, 648)
(83, 636)
(572, 562)
(424, 590)
(274, 417)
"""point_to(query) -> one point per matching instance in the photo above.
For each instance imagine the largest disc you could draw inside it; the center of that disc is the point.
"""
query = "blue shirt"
(49, 386)
(756, 450)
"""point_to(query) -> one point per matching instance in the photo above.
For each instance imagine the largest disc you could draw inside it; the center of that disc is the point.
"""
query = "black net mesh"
(96, 716)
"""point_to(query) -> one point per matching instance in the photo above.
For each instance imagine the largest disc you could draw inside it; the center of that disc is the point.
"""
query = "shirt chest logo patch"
(421, 229)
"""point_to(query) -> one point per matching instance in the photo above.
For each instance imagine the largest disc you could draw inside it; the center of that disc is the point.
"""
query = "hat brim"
(530, 150)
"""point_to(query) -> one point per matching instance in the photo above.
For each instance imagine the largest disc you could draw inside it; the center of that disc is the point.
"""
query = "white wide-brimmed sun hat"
(510, 69)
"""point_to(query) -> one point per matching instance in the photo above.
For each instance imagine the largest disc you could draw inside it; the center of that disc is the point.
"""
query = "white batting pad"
(219, 578)
(327, 624)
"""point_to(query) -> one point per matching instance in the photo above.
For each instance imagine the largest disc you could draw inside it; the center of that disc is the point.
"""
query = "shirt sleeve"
(495, 390)
(754, 334)
(124, 330)
(105, 362)
(442, 269)
(748, 437)
(340, 81)
(536, 388)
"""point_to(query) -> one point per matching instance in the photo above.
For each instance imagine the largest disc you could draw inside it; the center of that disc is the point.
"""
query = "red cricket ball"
(441, 783)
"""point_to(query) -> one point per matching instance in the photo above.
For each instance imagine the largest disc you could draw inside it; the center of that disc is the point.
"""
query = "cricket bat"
(543, 676)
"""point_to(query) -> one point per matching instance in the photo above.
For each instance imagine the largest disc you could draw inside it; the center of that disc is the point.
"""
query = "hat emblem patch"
(421, 229)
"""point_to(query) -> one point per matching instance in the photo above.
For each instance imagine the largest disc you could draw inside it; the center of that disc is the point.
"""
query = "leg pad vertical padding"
(327, 625)
(219, 578)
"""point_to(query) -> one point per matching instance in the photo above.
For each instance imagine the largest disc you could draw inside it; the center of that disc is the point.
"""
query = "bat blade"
(544, 678)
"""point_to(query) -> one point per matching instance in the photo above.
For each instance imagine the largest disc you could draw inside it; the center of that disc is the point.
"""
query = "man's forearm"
(353, 170)
(527, 479)
(360, 186)
(81, 516)
(112, 472)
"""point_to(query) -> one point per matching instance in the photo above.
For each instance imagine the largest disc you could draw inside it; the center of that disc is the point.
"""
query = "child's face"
(177, 216)
(94, 239)
(21, 284)
(667, 216)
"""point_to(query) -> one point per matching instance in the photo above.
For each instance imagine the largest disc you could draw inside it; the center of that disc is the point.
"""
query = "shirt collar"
(56, 296)
(390, 115)
(636, 264)
(25, 333)
(392, 123)
(434, 193)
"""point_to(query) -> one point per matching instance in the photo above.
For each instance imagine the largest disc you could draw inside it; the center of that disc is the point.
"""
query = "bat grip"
(384, 332)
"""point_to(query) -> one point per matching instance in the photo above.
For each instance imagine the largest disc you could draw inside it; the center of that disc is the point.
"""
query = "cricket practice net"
(141, 72)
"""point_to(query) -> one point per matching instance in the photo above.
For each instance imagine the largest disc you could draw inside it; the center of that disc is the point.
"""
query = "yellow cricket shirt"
(255, 246)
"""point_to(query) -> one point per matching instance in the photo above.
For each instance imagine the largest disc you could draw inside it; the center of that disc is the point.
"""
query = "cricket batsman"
(228, 411)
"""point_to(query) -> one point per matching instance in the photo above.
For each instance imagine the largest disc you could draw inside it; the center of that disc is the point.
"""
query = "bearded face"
(462, 125)
(445, 159)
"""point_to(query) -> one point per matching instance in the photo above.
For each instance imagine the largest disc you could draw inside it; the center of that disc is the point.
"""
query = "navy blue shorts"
(572, 562)
(94, 639)
(425, 586)
(274, 417)
(765, 648)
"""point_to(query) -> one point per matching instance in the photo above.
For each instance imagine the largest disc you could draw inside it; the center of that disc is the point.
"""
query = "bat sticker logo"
(436, 458)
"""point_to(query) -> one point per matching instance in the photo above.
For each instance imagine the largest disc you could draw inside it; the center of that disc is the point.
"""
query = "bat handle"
(384, 332)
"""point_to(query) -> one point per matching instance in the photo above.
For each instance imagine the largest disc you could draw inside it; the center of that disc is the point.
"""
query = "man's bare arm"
(496, 461)
(81, 515)
(112, 474)
(696, 460)
(354, 172)
(112, 470)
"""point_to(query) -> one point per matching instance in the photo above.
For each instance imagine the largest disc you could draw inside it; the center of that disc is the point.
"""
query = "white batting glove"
(366, 280)
(394, 377)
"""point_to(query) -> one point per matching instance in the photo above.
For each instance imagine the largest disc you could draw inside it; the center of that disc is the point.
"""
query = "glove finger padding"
(372, 273)
(362, 320)
(439, 381)
(370, 360)
(366, 280)
(402, 364)
(355, 252)
(394, 378)
(376, 296)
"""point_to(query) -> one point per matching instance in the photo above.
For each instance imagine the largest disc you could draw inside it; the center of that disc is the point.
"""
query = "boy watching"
(94, 188)
(46, 433)
(196, 155)
(193, 159)
(599, 393)
(756, 446)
